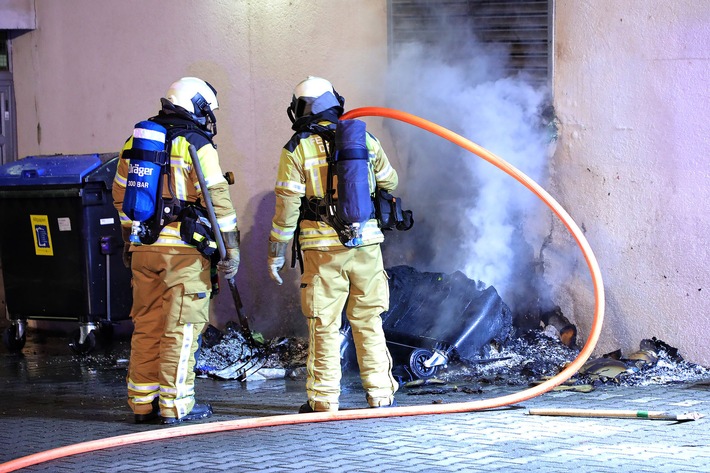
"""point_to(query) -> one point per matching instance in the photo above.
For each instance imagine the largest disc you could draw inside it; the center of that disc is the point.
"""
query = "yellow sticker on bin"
(41, 235)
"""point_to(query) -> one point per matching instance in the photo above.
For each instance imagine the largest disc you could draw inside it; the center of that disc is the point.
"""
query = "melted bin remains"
(435, 318)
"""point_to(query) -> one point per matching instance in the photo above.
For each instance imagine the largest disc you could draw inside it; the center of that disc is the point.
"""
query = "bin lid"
(48, 170)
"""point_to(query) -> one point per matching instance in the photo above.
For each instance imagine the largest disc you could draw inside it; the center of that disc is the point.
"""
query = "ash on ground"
(529, 357)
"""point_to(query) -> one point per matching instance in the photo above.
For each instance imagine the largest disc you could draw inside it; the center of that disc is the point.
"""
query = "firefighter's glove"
(127, 255)
(276, 260)
(230, 265)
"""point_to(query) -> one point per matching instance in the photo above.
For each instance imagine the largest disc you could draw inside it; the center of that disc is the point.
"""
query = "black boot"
(149, 417)
(199, 411)
(393, 404)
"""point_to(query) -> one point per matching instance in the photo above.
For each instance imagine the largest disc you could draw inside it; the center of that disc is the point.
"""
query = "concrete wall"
(17, 14)
(630, 91)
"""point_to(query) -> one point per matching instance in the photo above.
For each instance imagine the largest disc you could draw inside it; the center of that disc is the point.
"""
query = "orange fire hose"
(356, 414)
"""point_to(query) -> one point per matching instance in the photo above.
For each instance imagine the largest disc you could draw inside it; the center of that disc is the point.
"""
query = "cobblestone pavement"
(54, 399)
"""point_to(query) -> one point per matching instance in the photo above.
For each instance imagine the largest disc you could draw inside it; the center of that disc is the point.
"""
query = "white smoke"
(471, 216)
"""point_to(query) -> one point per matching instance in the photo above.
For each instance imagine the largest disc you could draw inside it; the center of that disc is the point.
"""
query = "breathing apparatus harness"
(145, 203)
(348, 159)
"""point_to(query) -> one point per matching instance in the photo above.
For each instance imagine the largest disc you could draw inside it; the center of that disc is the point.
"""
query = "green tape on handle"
(642, 414)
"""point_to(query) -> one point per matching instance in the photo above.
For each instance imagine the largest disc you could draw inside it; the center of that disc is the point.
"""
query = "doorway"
(8, 124)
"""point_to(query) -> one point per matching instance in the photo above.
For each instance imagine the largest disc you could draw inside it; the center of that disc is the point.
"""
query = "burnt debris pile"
(532, 356)
(228, 354)
(655, 362)
(536, 355)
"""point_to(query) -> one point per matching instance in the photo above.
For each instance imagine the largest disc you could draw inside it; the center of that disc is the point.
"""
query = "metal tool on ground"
(242, 369)
(244, 322)
(617, 414)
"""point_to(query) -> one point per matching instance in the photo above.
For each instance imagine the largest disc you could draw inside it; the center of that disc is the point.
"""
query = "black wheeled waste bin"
(434, 318)
(61, 246)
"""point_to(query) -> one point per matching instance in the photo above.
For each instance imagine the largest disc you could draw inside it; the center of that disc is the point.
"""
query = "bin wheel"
(10, 340)
(106, 332)
(416, 364)
(82, 348)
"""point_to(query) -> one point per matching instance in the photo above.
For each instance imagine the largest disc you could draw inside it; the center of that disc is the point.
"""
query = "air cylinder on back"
(354, 204)
(146, 157)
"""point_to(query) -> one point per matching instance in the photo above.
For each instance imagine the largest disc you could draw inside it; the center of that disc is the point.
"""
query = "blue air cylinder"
(352, 168)
(146, 157)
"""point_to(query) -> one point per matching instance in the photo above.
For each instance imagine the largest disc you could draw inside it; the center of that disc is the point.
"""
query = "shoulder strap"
(177, 126)
(327, 134)
(296, 254)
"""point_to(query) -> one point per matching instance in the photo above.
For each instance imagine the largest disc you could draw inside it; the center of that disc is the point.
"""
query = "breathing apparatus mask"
(312, 99)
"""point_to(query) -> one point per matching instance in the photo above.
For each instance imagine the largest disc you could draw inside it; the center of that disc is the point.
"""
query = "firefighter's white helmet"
(194, 95)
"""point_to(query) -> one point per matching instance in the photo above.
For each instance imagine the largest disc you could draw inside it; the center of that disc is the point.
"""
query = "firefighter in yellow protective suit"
(334, 276)
(171, 278)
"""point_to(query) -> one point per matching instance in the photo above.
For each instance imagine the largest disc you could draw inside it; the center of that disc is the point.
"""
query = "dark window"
(522, 26)
(4, 56)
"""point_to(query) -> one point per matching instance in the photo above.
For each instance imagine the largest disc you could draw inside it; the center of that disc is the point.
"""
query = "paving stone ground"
(52, 400)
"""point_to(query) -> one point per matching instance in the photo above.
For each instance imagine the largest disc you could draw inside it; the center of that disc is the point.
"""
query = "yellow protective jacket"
(303, 171)
(187, 188)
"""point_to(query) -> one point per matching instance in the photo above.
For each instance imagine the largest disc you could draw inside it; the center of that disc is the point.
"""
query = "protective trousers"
(171, 294)
(332, 279)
